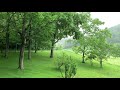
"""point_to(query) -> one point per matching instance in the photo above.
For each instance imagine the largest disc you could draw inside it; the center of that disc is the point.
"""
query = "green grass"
(41, 66)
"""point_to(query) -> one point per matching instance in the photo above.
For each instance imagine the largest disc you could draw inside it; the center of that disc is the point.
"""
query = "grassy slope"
(41, 66)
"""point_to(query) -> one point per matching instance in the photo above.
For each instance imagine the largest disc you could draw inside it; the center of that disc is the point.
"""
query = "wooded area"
(38, 31)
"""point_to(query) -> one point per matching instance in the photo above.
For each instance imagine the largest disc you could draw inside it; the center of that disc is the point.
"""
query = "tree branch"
(57, 40)
(19, 33)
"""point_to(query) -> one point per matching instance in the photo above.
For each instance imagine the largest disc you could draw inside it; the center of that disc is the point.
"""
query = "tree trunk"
(29, 50)
(51, 53)
(91, 62)
(52, 48)
(29, 45)
(83, 56)
(23, 39)
(21, 57)
(7, 45)
(1, 50)
(100, 63)
(7, 38)
(7, 34)
(2, 47)
(35, 46)
(16, 47)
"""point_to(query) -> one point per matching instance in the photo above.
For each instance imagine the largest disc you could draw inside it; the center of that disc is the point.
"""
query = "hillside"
(115, 31)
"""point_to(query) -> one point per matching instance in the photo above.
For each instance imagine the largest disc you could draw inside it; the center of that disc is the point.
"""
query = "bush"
(66, 63)
(70, 68)
(60, 61)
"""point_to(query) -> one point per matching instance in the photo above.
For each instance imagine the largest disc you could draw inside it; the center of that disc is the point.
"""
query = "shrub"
(66, 63)
(60, 61)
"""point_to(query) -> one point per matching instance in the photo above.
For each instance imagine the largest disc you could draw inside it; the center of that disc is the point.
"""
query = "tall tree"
(66, 24)
(99, 45)
(23, 39)
(82, 46)
(29, 34)
(22, 24)
(81, 36)
(41, 31)
(9, 16)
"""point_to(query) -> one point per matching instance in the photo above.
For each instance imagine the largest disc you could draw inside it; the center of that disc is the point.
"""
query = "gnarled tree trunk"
(21, 56)
(23, 39)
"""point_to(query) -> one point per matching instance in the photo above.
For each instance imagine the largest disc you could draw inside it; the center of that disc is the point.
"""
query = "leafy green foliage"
(60, 61)
(66, 63)
(93, 43)
(70, 68)
(42, 30)
(115, 50)
(99, 45)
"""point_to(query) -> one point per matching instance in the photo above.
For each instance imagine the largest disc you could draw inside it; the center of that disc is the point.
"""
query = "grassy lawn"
(41, 66)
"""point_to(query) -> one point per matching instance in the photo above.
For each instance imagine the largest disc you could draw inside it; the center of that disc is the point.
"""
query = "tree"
(41, 32)
(9, 17)
(82, 46)
(82, 40)
(2, 39)
(30, 31)
(99, 45)
(115, 50)
(29, 42)
(6, 18)
(65, 24)
(23, 40)
(86, 43)
(60, 28)
(22, 23)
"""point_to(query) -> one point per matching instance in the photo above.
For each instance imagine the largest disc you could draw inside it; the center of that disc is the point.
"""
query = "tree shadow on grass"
(55, 69)
(87, 65)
